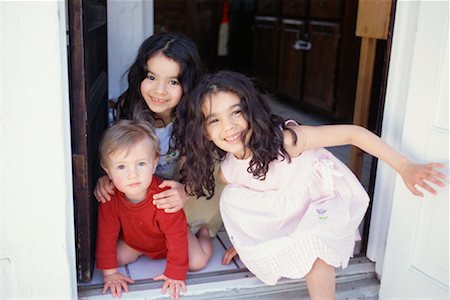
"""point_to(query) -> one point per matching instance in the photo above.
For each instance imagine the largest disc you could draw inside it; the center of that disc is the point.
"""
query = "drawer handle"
(302, 45)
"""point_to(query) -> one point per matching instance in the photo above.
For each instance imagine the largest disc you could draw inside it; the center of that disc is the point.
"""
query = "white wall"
(37, 248)
(129, 23)
(37, 257)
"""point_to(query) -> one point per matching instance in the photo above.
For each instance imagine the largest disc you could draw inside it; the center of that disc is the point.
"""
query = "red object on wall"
(222, 47)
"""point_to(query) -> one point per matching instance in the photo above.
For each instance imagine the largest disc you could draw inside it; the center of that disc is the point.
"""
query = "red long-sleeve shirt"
(146, 229)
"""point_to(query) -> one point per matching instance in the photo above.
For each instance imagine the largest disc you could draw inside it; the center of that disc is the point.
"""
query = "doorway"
(252, 23)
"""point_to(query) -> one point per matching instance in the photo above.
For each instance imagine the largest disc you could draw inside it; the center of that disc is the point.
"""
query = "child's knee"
(199, 260)
(198, 263)
(322, 269)
(124, 258)
(126, 254)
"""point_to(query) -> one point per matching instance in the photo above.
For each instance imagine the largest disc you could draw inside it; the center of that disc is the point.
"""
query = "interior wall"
(37, 249)
(129, 23)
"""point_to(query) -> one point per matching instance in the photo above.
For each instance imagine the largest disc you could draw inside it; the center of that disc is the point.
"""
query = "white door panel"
(416, 263)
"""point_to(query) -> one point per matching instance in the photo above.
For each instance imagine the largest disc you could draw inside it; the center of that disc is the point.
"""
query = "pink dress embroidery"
(303, 210)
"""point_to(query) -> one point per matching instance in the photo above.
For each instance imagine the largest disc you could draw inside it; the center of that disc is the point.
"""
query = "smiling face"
(225, 123)
(131, 169)
(161, 89)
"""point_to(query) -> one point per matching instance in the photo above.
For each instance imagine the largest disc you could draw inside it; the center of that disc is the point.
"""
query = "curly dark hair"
(265, 143)
(175, 46)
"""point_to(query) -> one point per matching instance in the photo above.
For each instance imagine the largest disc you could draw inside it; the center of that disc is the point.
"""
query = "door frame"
(379, 215)
(404, 36)
(88, 79)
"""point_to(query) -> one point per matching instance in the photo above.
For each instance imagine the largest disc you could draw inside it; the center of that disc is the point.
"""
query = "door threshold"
(357, 281)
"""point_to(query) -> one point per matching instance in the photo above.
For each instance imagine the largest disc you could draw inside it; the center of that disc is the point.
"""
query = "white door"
(416, 264)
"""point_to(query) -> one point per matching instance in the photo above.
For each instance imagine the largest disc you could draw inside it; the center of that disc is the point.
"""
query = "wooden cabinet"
(265, 50)
(268, 7)
(290, 63)
(198, 19)
(327, 9)
(172, 16)
(294, 8)
(320, 65)
(312, 57)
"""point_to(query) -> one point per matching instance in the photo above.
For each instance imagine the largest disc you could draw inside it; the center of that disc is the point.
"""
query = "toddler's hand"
(115, 282)
(422, 175)
(173, 199)
(103, 189)
(228, 256)
(174, 286)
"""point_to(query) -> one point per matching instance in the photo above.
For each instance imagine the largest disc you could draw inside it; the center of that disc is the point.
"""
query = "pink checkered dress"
(303, 210)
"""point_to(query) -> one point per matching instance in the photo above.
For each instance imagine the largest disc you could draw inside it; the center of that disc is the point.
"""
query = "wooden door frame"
(88, 100)
(379, 106)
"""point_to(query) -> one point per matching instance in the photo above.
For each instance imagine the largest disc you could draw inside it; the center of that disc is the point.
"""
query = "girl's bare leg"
(126, 254)
(321, 281)
(200, 249)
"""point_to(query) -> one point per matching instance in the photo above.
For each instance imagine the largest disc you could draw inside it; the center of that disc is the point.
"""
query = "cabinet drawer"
(163, 5)
(290, 62)
(268, 7)
(326, 9)
(265, 50)
(294, 8)
(321, 64)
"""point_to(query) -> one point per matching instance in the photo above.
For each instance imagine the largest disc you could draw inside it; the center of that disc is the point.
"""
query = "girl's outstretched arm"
(310, 137)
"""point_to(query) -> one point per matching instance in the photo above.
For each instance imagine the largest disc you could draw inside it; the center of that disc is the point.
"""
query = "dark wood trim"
(88, 104)
(379, 122)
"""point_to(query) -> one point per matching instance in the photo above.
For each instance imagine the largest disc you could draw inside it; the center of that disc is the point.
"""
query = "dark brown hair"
(265, 143)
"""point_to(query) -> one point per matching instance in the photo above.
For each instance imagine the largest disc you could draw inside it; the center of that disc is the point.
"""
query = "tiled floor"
(144, 268)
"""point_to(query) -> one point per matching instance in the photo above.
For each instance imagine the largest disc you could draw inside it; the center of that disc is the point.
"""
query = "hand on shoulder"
(104, 189)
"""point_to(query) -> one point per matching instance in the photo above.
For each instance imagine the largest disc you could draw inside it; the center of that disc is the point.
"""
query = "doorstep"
(357, 281)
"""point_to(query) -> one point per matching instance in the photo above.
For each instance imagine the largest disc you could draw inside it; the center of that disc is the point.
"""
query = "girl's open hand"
(174, 286)
(115, 283)
(104, 189)
(421, 175)
(228, 256)
(173, 199)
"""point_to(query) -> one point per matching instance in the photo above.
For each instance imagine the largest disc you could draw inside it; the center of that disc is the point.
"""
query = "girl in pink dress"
(290, 208)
